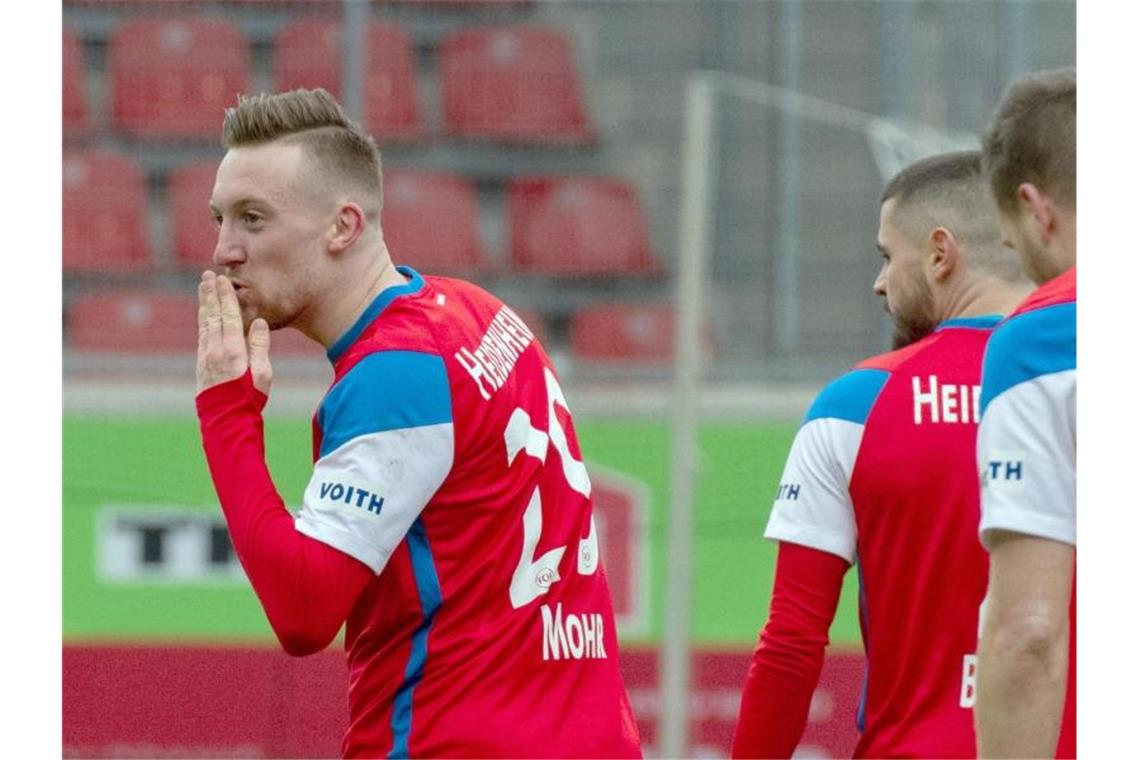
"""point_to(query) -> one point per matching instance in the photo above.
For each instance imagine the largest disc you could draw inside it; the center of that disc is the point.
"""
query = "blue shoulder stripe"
(387, 390)
(1029, 345)
(850, 397)
(983, 322)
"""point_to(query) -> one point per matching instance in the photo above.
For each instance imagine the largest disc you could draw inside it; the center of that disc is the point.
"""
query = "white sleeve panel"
(1027, 453)
(364, 496)
(813, 505)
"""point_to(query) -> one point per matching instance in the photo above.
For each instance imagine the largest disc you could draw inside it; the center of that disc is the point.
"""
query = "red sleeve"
(306, 587)
(789, 655)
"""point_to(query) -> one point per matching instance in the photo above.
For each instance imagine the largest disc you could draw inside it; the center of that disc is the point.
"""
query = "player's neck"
(986, 295)
(357, 292)
(1066, 245)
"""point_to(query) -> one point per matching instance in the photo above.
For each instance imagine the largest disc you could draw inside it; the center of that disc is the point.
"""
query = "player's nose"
(880, 285)
(227, 251)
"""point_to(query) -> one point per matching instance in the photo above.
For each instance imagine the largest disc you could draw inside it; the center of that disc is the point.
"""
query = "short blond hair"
(1033, 138)
(313, 119)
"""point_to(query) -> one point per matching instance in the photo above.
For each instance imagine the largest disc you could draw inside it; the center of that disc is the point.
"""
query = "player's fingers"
(259, 364)
(230, 311)
(208, 300)
(202, 322)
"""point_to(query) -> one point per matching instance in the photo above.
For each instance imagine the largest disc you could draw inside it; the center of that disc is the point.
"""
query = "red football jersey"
(882, 474)
(446, 461)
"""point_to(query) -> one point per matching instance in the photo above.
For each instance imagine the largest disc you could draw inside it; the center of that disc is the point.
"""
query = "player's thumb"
(259, 365)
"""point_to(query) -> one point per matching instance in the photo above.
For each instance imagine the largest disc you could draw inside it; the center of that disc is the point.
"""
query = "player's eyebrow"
(238, 205)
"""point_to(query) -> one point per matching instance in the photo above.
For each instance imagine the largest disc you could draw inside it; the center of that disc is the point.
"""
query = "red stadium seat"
(155, 321)
(134, 321)
(577, 226)
(75, 120)
(175, 77)
(307, 54)
(431, 222)
(105, 213)
(192, 228)
(625, 332)
(514, 83)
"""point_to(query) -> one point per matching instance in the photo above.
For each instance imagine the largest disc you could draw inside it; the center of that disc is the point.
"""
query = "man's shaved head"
(951, 190)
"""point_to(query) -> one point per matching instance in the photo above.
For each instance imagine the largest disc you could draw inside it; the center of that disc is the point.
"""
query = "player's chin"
(248, 314)
(908, 332)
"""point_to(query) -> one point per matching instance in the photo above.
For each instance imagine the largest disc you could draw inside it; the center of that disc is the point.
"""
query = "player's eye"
(217, 219)
(251, 217)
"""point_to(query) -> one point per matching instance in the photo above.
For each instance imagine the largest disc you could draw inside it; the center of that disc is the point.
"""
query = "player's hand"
(224, 351)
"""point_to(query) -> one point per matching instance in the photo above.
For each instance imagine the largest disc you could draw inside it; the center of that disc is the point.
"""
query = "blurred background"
(535, 147)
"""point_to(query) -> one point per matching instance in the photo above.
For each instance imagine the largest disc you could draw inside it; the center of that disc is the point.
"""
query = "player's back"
(490, 630)
(922, 572)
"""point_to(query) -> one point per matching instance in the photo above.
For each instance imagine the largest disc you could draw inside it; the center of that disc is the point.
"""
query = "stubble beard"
(910, 331)
(915, 321)
(274, 317)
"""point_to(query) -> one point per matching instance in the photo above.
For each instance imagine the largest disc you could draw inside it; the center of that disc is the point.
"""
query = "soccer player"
(448, 520)
(1027, 439)
(881, 475)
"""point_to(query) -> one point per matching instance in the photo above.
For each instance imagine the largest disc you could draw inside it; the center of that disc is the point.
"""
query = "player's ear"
(347, 227)
(1036, 204)
(944, 252)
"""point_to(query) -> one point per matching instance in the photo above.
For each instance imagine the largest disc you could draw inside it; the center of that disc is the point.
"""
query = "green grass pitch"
(160, 462)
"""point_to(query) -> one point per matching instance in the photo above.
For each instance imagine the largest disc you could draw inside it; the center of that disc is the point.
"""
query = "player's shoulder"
(385, 389)
(1039, 338)
(1061, 290)
(852, 395)
(1045, 321)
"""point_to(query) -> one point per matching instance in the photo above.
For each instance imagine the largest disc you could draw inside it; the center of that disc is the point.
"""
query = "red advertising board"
(619, 512)
(157, 701)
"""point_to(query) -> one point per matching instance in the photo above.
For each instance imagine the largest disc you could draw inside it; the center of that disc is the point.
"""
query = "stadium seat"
(174, 78)
(75, 119)
(623, 332)
(577, 226)
(512, 83)
(307, 54)
(134, 321)
(154, 321)
(431, 222)
(105, 214)
(192, 228)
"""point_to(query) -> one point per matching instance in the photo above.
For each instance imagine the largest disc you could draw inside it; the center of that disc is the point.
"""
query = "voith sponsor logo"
(490, 364)
(788, 492)
(945, 403)
(1004, 470)
(351, 495)
(572, 636)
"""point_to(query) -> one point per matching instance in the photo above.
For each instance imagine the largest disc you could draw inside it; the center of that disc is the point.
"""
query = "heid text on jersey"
(945, 403)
